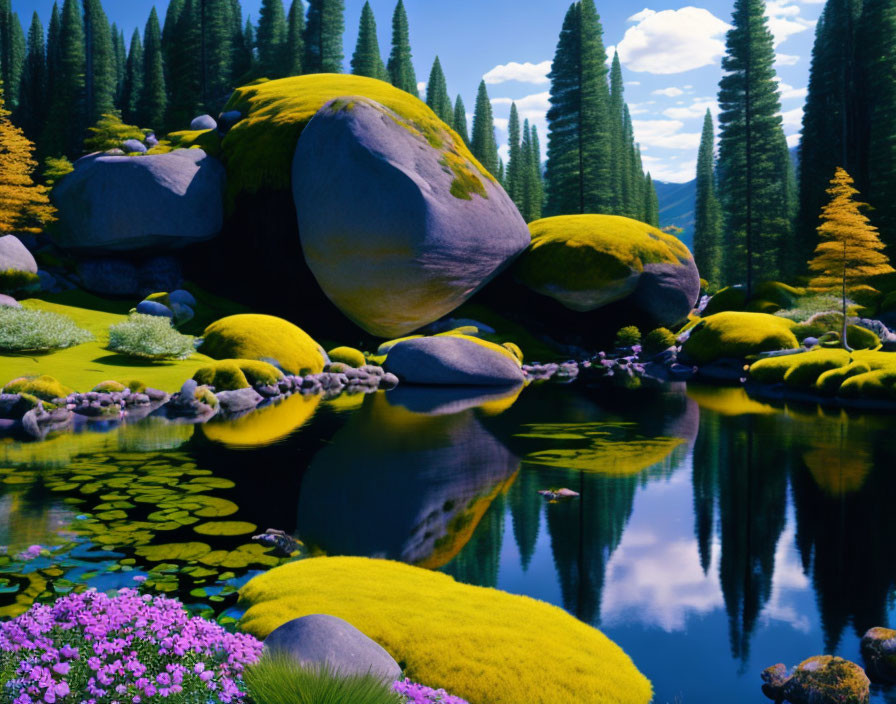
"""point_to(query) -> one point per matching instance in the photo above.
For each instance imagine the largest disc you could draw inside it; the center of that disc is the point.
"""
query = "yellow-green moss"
(266, 338)
(515, 350)
(830, 381)
(233, 374)
(347, 355)
(831, 679)
(109, 387)
(768, 297)
(260, 147)
(591, 252)
(738, 335)
(775, 369)
(862, 374)
(207, 140)
(17, 282)
(877, 385)
(43, 387)
(504, 649)
(860, 338)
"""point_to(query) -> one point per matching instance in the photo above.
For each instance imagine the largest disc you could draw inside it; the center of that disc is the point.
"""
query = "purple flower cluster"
(31, 553)
(419, 694)
(92, 648)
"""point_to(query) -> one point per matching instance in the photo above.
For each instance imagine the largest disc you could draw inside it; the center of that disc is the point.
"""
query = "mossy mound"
(588, 261)
(259, 149)
(864, 374)
(233, 374)
(826, 679)
(347, 355)
(504, 649)
(767, 297)
(738, 335)
(109, 387)
(265, 338)
(46, 388)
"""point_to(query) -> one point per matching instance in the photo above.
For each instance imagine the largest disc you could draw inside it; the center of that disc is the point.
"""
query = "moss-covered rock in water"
(589, 261)
(234, 374)
(347, 355)
(266, 338)
(738, 335)
(399, 223)
(46, 388)
(879, 654)
(825, 679)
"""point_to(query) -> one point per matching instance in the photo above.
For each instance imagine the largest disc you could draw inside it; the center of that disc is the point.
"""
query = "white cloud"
(533, 108)
(786, 60)
(639, 108)
(792, 119)
(793, 140)
(672, 41)
(696, 109)
(784, 20)
(421, 87)
(663, 170)
(671, 92)
(501, 123)
(504, 152)
(664, 134)
(524, 73)
(788, 92)
(633, 83)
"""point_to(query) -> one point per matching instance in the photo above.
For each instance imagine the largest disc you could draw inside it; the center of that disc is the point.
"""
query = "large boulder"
(14, 256)
(399, 224)
(319, 640)
(159, 201)
(825, 679)
(587, 262)
(453, 360)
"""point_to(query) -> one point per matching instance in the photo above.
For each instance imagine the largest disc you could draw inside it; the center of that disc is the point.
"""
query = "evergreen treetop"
(401, 68)
(367, 61)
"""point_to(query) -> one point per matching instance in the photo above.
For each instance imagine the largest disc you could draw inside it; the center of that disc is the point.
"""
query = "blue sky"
(670, 51)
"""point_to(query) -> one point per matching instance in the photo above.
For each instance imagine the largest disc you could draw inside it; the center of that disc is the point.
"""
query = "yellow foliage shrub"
(481, 644)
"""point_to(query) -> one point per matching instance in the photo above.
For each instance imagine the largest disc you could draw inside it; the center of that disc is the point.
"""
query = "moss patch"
(259, 149)
(499, 639)
(15, 282)
(738, 335)
(347, 355)
(233, 374)
(46, 388)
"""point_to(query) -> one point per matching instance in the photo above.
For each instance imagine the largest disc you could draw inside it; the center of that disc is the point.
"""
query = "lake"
(714, 535)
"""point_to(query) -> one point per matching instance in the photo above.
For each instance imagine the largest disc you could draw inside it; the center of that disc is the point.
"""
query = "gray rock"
(182, 313)
(14, 256)
(666, 293)
(183, 297)
(154, 308)
(774, 680)
(226, 120)
(451, 361)
(109, 277)
(9, 301)
(318, 640)
(383, 235)
(204, 122)
(130, 146)
(10, 406)
(103, 202)
(238, 401)
(810, 342)
(151, 140)
(879, 654)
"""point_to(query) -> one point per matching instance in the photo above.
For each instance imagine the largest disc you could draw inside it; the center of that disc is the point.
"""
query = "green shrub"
(659, 340)
(282, 680)
(16, 282)
(46, 388)
(149, 336)
(347, 355)
(109, 133)
(889, 303)
(233, 374)
(206, 396)
(55, 168)
(628, 336)
(24, 330)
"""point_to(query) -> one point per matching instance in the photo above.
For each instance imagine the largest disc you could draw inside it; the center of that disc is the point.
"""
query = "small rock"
(154, 308)
(281, 541)
(184, 298)
(775, 678)
(321, 640)
(203, 122)
(556, 494)
(239, 400)
(131, 146)
(151, 140)
(879, 654)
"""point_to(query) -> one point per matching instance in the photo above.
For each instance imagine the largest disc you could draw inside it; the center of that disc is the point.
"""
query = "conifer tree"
(169, 38)
(12, 52)
(244, 52)
(850, 251)
(237, 45)
(295, 42)
(483, 143)
(460, 120)
(33, 95)
(877, 42)
(121, 61)
(630, 168)
(619, 147)
(535, 176)
(579, 146)
(133, 80)
(153, 101)
(54, 48)
(401, 68)
(215, 52)
(437, 93)
(68, 112)
(752, 176)
(707, 216)
(651, 203)
(24, 205)
(516, 166)
(271, 38)
(367, 61)
(99, 69)
(323, 36)
(185, 70)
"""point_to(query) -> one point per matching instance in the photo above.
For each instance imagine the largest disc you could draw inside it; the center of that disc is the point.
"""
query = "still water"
(714, 535)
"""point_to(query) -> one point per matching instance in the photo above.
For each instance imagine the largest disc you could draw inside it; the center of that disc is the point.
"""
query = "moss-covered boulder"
(879, 653)
(46, 388)
(347, 355)
(499, 640)
(265, 338)
(18, 270)
(453, 360)
(399, 223)
(738, 335)
(587, 262)
(235, 374)
(825, 679)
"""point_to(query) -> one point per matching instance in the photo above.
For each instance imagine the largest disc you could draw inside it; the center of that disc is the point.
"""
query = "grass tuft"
(151, 337)
(24, 330)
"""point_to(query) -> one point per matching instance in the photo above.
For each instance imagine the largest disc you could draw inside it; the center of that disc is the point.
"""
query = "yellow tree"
(24, 205)
(850, 251)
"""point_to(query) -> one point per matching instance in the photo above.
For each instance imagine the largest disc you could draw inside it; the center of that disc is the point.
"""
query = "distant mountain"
(677, 204)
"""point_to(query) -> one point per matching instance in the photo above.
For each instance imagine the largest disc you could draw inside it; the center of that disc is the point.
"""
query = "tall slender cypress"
(33, 94)
(401, 68)
(271, 38)
(619, 147)
(295, 41)
(536, 179)
(169, 37)
(215, 52)
(121, 61)
(54, 49)
(99, 71)
(185, 70)
(651, 202)
(367, 61)
(64, 131)
(459, 123)
(437, 93)
(133, 81)
(323, 36)
(483, 143)
(707, 216)
(516, 166)
(579, 146)
(752, 176)
(153, 101)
